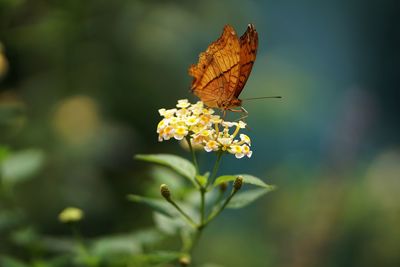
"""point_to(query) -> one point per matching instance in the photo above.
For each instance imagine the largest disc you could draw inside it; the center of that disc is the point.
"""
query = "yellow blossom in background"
(197, 123)
(70, 214)
(77, 119)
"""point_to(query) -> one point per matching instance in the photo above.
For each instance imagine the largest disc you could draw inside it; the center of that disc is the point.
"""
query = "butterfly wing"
(248, 51)
(216, 75)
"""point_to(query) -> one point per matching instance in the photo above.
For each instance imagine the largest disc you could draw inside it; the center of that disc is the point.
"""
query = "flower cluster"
(201, 127)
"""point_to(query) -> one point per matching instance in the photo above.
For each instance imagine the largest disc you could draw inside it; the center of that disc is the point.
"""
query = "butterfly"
(223, 69)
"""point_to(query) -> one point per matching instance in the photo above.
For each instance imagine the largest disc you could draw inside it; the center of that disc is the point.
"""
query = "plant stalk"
(215, 168)
(217, 212)
(193, 155)
(184, 214)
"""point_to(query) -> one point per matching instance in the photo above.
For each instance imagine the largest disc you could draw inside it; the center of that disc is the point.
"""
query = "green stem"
(193, 155)
(184, 214)
(202, 205)
(215, 169)
(195, 239)
(217, 201)
(218, 211)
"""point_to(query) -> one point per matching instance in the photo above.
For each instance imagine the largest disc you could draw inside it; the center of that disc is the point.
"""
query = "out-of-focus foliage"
(80, 86)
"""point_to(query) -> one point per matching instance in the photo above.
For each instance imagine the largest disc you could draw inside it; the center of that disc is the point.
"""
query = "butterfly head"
(230, 104)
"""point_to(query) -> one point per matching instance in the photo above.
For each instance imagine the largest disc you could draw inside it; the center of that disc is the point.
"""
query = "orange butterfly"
(223, 69)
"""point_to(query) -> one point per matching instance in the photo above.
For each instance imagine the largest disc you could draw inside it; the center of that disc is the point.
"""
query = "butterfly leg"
(243, 110)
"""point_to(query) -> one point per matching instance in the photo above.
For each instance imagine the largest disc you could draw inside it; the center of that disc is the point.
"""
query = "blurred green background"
(81, 83)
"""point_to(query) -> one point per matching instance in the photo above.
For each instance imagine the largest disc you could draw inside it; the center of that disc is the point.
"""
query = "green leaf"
(117, 244)
(58, 244)
(247, 179)
(211, 265)
(10, 219)
(164, 175)
(201, 179)
(20, 166)
(150, 236)
(157, 257)
(159, 205)
(242, 199)
(6, 261)
(25, 236)
(168, 225)
(4, 152)
(178, 164)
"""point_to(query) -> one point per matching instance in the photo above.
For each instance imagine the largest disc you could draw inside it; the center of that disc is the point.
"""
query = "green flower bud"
(165, 191)
(237, 184)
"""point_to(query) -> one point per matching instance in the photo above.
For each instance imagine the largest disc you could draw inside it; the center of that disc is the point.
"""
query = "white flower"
(225, 141)
(242, 125)
(215, 119)
(167, 133)
(183, 103)
(183, 113)
(228, 124)
(211, 146)
(208, 111)
(197, 108)
(161, 111)
(167, 113)
(246, 151)
(237, 150)
(192, 120)
(180, 132)
(245, 138)
(208, 131)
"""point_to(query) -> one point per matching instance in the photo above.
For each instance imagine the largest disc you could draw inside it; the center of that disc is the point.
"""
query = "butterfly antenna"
(253, 98)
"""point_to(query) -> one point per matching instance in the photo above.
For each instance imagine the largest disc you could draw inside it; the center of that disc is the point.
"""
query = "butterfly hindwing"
(248, 52)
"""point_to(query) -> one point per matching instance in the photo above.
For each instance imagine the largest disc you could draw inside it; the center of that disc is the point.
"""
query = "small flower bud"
(185, 260)
(223, 186)
(165, 191)
(237, 184)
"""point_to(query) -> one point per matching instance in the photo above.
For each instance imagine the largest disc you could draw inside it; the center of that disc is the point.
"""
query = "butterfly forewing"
(219, 75)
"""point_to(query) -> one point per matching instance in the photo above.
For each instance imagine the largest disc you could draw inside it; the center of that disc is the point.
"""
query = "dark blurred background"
(81, 83)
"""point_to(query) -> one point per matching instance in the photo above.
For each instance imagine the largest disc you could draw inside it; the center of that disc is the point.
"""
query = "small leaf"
(247, 179)
(224, 178)
(245, 198)
(157, 204)
(20, 166)
(178, 164)
(201, 179)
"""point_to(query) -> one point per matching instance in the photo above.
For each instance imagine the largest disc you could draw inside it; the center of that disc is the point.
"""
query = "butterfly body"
(223, 69)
